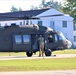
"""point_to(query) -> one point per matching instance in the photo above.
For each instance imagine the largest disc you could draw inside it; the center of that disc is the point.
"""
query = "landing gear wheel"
(48, 52)
(29, 54)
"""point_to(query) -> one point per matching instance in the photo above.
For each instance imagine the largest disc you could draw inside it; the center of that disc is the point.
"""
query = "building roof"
(21, 13)
(37, 13)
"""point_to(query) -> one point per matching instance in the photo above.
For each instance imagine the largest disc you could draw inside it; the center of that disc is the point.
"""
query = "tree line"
(69, 7)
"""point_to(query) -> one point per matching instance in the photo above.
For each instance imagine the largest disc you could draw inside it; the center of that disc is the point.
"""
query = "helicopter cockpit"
(57, 40)
(62, 37)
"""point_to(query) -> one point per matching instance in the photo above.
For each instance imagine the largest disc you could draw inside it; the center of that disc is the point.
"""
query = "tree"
(70, 8)
(19, 9)
(53, 4)
(14, 9)
(33, 7)
(49, 4)
(43, 3)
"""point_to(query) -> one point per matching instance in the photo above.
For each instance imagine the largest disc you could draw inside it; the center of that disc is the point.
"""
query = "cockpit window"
(61, 36)
(50, 38)
(56, 39)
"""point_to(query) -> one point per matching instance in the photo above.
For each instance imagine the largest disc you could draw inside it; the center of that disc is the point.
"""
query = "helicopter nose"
(69, 44)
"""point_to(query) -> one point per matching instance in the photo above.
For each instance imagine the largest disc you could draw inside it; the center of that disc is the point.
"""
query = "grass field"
(68, 51)
(71, 51)
(38, 64)
(12, 53)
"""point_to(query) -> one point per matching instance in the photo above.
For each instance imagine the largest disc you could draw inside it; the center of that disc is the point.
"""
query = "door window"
(50, 38)
(18, 39)
(26, 39)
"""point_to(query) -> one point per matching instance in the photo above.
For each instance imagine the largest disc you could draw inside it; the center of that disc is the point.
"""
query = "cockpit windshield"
(61, 36)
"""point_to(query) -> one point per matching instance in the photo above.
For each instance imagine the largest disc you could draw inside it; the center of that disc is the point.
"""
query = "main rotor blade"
(17, 17)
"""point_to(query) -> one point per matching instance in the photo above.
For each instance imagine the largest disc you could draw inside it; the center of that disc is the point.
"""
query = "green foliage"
(70, 8)
(14, 9)
(49, 4)
(33, 7)
(53, 4)
(19, 9)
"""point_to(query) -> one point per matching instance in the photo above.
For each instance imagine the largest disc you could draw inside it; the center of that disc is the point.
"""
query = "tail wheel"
(29, 54)
(48, 52)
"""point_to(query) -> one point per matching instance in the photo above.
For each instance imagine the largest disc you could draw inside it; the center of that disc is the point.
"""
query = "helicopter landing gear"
(48, 52)
(29, 54)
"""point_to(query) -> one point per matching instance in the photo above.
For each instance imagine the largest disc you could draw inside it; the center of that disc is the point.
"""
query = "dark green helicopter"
(23, 38)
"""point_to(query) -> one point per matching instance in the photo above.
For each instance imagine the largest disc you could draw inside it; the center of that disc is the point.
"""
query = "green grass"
(12, 53)
(70, 51)
(38, 64)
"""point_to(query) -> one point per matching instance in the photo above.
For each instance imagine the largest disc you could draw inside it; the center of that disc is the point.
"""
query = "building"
(59, 21)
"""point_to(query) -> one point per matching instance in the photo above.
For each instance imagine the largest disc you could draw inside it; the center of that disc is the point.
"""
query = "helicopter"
(23, 38)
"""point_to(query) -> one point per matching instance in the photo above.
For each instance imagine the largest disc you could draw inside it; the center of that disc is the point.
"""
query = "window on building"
(26, 39)
(40, 23)
(18, 39)
(64, 24)
(74, 38)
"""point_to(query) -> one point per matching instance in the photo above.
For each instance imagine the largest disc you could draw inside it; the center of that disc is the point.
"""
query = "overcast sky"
(5, 5)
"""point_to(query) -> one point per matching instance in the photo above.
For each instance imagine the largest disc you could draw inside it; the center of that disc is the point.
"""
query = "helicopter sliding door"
(21, 42)
(34, 42)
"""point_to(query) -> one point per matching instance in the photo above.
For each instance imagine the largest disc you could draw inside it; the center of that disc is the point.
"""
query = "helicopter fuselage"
(24, 38)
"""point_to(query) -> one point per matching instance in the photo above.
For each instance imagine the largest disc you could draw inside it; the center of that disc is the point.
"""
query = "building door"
(52, 24)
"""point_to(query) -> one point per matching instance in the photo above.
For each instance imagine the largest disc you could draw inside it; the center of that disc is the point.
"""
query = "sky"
(5, 5)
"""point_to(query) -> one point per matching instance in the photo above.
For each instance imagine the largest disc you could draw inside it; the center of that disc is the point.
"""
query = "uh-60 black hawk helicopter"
(23, 38)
